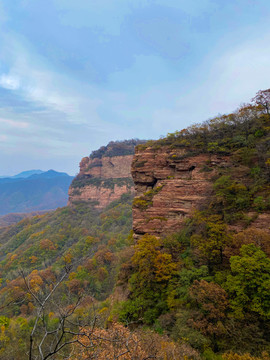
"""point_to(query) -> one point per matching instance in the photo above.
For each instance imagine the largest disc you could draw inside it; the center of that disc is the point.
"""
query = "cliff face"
(170, 184)
(102, 180)
(107, 167)
(105, 175)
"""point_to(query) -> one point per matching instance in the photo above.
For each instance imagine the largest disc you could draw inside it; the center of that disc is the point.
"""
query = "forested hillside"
(208, 284)
(194, 281)
(92, 243)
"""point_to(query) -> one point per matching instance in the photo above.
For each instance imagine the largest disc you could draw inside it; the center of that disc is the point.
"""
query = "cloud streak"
(14, 124)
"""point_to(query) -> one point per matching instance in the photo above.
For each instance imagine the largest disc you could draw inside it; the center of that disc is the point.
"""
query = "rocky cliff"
(105, 175)
(219, 166)
(170, 184)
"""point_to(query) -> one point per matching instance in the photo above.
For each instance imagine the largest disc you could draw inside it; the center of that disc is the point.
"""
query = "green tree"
(249, 283)
(210, 239)
(153, 270)
(232, 196)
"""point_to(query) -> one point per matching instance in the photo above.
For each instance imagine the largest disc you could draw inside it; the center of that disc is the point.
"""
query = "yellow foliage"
(90, 240)
(35, 281)
(246, 356)
(40, 233)
(13, 257)
(267, 162)
(33, 259)
(152, 262)
(68, 258)
(104, 309)
(72, 275)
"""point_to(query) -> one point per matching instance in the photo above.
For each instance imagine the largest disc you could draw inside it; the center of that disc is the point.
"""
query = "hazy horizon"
(26, 170)
(75, 75)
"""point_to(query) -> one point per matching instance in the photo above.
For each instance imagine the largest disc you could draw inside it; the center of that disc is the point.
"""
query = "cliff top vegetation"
(247, 126)
(116, 148)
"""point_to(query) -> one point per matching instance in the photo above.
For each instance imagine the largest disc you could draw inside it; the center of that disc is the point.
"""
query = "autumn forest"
(138, 280)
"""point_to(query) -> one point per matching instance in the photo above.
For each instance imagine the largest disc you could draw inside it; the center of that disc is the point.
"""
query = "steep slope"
(105, 175)
(92, 239)
(200, 270)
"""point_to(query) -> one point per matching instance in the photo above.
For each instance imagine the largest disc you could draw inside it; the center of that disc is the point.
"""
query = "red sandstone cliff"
(169, 186)
(171, 183)
(102, 180)
(105, 175)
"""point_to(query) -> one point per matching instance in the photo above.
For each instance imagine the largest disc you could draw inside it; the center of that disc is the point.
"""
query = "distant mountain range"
(24, 174)
(33, 190)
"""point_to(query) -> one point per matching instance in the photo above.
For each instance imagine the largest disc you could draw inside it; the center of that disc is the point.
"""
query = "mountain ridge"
(44, 191)
(27, 173)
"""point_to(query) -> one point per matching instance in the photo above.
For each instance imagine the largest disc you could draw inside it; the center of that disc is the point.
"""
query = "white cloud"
(222, 81)
(73, 117)
(234, 77)
(9, 82)
(37, 82)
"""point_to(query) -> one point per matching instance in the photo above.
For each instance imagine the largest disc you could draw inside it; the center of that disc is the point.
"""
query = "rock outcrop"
(170, 184)
(105, 175)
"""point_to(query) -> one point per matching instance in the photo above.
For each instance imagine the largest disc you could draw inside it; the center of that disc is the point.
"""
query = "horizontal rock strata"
(102, 180)
(170, 184)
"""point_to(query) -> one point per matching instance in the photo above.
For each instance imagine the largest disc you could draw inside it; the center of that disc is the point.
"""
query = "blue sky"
(75, 74)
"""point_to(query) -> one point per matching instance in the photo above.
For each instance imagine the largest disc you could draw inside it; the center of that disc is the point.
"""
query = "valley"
(167, 240)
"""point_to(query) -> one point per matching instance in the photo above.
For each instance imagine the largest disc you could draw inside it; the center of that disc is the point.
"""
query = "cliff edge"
(105, 175)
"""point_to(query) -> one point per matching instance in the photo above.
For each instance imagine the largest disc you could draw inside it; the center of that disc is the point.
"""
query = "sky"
(76, 74)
